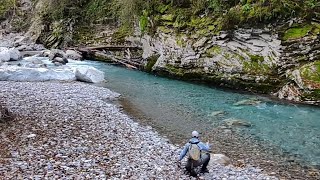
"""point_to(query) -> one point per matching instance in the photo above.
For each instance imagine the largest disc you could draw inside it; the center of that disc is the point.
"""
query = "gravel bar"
(75, 131)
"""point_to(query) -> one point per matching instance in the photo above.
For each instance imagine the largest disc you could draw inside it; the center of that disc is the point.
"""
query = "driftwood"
(108, 48)
(114, 59)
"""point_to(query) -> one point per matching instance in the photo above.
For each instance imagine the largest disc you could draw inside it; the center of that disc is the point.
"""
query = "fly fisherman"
(198, 154)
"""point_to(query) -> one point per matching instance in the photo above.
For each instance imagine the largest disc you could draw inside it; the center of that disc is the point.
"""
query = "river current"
(178, 107)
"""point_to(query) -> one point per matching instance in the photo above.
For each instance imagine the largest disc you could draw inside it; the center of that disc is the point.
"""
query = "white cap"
(195, 134)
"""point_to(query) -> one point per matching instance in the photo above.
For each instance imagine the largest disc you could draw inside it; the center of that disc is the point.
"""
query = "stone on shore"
(219, 159)
(73, 131)
(89, 74)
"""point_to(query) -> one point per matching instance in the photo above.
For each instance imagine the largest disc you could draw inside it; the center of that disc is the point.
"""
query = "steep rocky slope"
(280, 58)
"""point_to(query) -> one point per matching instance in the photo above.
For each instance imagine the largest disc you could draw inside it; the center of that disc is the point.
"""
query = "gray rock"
(74, 55)
(11, 54)
(57, 53)
(89, 74)
(4, 55)
(219, 159)
(15, 55)
(232, 122)
(200, 42)
(59, 60)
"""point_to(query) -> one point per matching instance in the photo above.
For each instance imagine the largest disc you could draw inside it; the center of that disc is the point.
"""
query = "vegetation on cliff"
(197, 16)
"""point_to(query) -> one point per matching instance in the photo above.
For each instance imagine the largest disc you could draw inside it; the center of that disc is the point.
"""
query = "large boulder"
(4, 55)
(16, 73)
(9, 54)
(54, 53)
(74, 55)
(60, 60)
(89, 74)
(15, 55)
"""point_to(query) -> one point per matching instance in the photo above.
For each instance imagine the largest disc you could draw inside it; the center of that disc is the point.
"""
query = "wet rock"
(218, 113)
(56, 53)
(60, 60)
(33, 62)
(232, 122)
(253, 102)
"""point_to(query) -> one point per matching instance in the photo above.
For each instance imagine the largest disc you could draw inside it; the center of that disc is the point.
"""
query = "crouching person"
(198, 154)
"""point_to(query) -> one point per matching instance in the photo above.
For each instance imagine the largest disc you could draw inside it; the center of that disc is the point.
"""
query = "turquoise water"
(180, 107)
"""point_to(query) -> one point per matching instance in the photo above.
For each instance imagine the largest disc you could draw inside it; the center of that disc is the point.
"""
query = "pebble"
(81, 134)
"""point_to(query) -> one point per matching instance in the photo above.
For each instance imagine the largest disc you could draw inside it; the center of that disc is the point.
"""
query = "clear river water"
(179, 107)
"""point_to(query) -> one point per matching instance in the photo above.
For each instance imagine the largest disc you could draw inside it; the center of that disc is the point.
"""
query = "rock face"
(260, 60)
(234, 58)
(89, 74)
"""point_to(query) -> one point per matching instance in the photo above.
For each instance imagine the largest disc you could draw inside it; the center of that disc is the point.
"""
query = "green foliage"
(167, 17)
(297, 32)
(311, 72)
(216, 5)
(214, 50)
(256, 58)
(143, 23)
(122, 33)
(179, 72)
(97, 10)
(6, 6)
(202, 17)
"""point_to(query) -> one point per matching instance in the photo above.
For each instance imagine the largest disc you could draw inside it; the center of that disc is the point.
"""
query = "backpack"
(194, 152)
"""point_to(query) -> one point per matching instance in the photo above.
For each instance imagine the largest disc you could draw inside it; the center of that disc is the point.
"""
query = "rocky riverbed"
(74, 130)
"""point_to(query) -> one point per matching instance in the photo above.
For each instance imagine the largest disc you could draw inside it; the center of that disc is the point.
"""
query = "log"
(109, 48)
(112, 58)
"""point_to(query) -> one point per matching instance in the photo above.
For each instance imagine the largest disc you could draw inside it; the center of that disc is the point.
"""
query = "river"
(175, 108)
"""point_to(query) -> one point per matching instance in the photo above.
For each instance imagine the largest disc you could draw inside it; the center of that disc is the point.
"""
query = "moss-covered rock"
(175, 71)
(214, 50)
(167, 17)
(256, 66)
(150, 63)
(310, 75)
(297, 32)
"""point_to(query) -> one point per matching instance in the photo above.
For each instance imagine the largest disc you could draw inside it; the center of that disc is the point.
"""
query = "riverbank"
(72, 130)
(242, 149)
